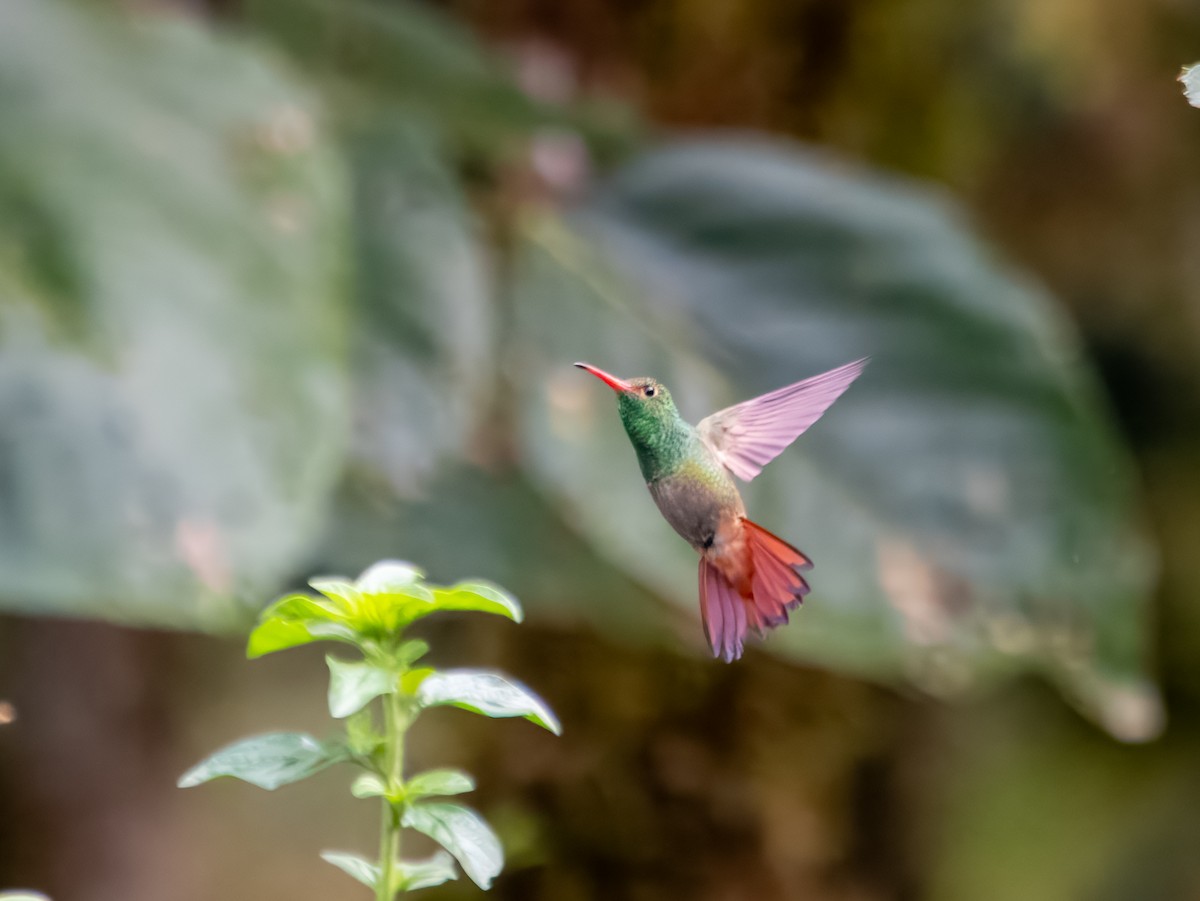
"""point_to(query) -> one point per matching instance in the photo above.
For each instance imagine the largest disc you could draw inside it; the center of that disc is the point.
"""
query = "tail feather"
(723, 612)
(770, 580)
(775, 587)
(777, 584)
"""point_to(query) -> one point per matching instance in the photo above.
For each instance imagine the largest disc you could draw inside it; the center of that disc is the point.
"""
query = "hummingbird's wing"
(748, 436)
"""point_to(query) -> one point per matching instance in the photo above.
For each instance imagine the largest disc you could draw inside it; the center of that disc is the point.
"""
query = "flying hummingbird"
(749, 578)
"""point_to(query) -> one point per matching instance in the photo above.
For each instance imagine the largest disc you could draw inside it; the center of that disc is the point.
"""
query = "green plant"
(371, 615)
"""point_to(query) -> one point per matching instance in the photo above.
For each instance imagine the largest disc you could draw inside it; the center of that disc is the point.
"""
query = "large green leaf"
(433, 870)
(268, 761)
(171, 337)
(487, 693)
(967, 503)
(424, 349)
(397, 53)
(463, 833)
(354, 866)
(482, 597)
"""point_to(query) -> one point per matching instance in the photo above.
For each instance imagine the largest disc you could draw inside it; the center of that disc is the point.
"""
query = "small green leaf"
(345, 595)
(363, 870)
(303, 608)
(295, 620)
(369, 785)
(410, 652)
(407, 875)
(362, 738)
(353, 685)
(415, 874)
(389, 577)
(383, 600)
(267, 761)
(388, 613)
(488, 693)
(481, 596)
(463, 833)
(277, 635)
(438, 782)
(1191, 83)
(432, 783)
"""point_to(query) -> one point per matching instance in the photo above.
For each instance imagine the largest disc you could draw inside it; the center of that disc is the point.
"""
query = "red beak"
(611, 380)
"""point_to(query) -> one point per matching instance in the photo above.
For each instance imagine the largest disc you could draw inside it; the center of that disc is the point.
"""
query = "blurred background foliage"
(288, 286)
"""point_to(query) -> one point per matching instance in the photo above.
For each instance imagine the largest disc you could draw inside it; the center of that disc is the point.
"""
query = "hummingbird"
(749, 578)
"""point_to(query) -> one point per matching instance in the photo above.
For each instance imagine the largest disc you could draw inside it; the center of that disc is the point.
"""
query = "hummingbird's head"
(645, 404)
(640, 391)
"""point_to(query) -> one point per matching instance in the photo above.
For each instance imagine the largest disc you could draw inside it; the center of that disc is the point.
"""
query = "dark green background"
(289, 287)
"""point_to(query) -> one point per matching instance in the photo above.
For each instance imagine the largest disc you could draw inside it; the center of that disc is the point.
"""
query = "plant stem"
(395, 724)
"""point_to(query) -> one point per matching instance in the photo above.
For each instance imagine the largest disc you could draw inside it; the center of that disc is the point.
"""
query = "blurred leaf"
(363, 870)
(490, 694)
(353, 684)
(382, 601)
(390, 577)
(973, 502)
(362, 738)
(438, 782)
(464, 834)
(345, 596)
(417, 57)
(295, 620)
(387, 597)
(411, 651)
(416, 874)
(21, 895)
(277, 635)
(409, 875)
(172, 385)
(482, 597)
(1191, 83)
(424, 349)
(369, 785)
(268, 761)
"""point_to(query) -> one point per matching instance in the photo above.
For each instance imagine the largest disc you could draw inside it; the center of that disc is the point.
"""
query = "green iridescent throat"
(662, 439)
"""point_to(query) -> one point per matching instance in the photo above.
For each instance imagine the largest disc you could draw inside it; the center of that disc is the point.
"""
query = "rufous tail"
(774, 586)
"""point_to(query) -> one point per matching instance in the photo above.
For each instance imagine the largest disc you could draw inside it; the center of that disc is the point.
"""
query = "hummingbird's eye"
(648, 391)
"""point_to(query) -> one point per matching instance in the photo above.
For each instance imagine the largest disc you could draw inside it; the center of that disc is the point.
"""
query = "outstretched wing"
(748, 436)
